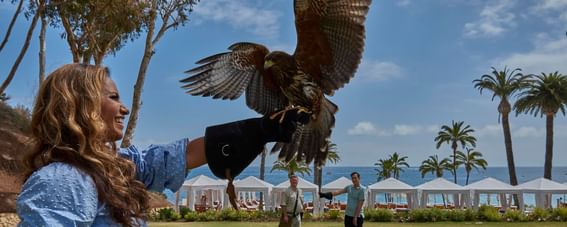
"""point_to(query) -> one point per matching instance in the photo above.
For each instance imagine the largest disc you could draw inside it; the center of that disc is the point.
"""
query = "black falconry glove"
(233, 146)
(326, 195)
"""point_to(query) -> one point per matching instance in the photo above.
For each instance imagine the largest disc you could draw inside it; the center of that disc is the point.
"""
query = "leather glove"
(233, 146)
(326, 195)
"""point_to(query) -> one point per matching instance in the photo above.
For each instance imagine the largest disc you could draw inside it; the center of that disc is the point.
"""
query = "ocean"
(410, 176)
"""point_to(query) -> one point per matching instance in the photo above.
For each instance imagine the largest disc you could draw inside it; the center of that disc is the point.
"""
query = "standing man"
(292, 204)
(355, 195)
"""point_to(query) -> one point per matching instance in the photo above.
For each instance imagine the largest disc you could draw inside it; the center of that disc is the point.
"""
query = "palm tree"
(434, 166)
(504, 84)
(332, 156)
(397, 164)
(291, 167)
(385, 168)
(546, 95)
(472, 159)
(454, 135)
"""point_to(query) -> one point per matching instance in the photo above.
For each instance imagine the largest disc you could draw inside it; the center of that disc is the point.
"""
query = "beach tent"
(253, 184)
(493, 186)
(392, 185)
(543, 189)
(443, 186)
(337, 184)
(302, 184)
(203, 185)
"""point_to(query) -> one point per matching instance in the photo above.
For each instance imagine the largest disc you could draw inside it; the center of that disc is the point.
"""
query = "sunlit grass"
(366, 224)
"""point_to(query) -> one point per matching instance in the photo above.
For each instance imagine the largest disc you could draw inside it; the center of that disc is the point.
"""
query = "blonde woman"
(78, 177)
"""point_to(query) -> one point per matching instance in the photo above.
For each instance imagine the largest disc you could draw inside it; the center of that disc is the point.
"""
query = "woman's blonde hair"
(67, 127)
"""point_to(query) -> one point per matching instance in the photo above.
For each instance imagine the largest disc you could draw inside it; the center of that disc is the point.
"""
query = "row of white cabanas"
(418, 196)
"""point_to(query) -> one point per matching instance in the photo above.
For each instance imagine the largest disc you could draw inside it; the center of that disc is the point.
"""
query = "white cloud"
(405, 130)
(495, 19)
(374, 70)
(527, 132)
(238, 14)
(551, 4)
(490, 131)
(403, 3)
(548, 55)
(366, 128)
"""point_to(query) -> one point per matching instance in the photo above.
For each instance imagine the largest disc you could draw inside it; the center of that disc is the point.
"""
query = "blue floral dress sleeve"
(58, 195)
(160, 166)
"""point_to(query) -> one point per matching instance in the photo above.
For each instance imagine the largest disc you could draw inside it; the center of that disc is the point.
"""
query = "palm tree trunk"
(468, 174)
(262, 173)
(548, 146)
(454, 164)
(12, 22)
(23, 50)
(509, 152)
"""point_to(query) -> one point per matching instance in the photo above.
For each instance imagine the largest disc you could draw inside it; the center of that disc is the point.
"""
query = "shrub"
(307, 216)
(378, 215)
(420, 215)
(191, 216)
(456, 215)
(229, 215)
(488, 213)
(333, 215)
(167, 214)
(183, 211)
(539, 214)
(470, 215)
(514, 215)
(559, 214)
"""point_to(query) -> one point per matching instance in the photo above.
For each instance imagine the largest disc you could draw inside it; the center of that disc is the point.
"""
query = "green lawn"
(367, 224)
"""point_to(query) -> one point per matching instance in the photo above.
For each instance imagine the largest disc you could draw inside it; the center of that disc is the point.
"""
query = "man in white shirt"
(292, 203)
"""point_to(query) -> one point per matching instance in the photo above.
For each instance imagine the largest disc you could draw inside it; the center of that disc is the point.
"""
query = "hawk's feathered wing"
(227, 75)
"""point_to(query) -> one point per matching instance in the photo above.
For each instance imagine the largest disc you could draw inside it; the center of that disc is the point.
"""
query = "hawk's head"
(279, 61)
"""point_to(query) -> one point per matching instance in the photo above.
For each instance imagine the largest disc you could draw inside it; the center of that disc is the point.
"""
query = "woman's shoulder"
(60, 174)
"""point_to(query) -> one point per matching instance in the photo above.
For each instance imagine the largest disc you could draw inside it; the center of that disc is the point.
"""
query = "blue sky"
(416, 73)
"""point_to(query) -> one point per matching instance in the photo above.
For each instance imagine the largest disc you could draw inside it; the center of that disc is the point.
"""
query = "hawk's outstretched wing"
(330, 39)
(227, 75)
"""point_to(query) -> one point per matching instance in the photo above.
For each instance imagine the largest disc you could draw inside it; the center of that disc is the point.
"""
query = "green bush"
(378, 215)
(420, 215)
(229, 215)
(539, 214)
(456, 215)
(183, 211)
(308, 216)
(167, 214)
(559, 214)
(514, 215)
(333, 215)
(489, 213)
(470, 215)
(191, 216)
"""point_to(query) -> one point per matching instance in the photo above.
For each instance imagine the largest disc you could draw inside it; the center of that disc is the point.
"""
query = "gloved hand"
(326, 195)
(235, 145)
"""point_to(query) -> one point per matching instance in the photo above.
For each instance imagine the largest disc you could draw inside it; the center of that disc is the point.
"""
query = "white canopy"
(337, 184)
(214, 190)
(543, 189)
(443, 186)
(302, 184)
(392, 185)
(253, 184)
(490, 185)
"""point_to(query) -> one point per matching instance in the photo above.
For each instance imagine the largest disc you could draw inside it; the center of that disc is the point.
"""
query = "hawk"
(330, 42)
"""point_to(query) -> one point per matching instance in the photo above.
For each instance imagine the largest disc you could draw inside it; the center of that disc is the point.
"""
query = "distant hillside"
(14, 128)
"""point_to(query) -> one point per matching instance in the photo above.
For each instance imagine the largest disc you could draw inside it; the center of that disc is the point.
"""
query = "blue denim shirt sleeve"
(160, 166)
(57, 195)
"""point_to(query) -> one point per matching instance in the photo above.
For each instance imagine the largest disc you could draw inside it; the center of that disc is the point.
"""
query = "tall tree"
(546, 95)
(332, 156)
(454, 135)
(472, 159)
(38, 11)
(291, 167)
(262, 173)
(172, 13)
(11, 25)
(384, 169)
(42, 32)
(398, 164)
(94, 29)
(434, 166)
(504, 84)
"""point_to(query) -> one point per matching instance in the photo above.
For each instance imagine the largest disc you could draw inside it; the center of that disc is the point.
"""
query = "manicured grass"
(366, 224)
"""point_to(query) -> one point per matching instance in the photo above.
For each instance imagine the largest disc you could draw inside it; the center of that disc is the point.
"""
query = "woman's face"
(113, 111)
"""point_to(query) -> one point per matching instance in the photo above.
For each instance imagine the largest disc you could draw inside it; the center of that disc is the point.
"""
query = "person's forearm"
(358, 209)
(195, 153)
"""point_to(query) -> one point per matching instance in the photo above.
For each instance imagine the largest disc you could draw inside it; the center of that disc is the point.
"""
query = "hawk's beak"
(268, 64)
